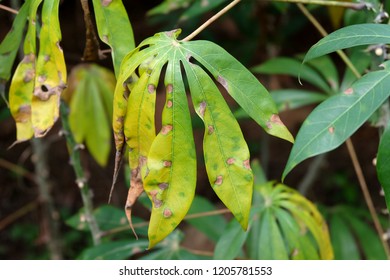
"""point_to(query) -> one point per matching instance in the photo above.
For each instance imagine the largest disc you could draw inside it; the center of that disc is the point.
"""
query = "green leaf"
(200, 7)
(50, 79)
(230, 244)
(212, 226)
(383, 164)
(225, 151)
(90, 96)
(350, 36)
(325, 66)
(114, 29)
(345, 247)
(292, 67)
(287, 99)
(10, 44)
(247, 91)
(114, 250)
(337, 118)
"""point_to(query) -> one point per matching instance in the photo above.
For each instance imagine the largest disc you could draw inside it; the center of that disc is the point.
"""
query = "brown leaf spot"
(163, 186)
(169, 88)
(167, 163)
(223, 82)
(151, 88)
(156, 202)
(105, 3)
(210, 129)
(275, 119)
(120, 120)
(29, 58)
(202, 108)
(167, 213)
(24, 113)
(169, 104)
(28, 75)
(348, 91)
(246, 164)
(46, 58)
(295, 252)
(230, 160)
(166, 129)
(219, 180)
(41, 79)
(331, 129)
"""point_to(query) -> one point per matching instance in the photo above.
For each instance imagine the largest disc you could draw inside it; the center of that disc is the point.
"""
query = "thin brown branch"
(8, 9)
(350, 146)
(17, 169)
(18, 214)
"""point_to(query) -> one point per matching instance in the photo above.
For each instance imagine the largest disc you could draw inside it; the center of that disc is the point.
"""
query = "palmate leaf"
(337, 118)
(165, 165)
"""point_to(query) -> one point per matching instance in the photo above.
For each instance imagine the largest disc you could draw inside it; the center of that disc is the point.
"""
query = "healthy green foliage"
(383, 164)
(89, 95)
(337, 118)
(165, 165)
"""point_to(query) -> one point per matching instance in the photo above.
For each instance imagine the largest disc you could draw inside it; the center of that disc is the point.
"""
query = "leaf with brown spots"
(338, 117)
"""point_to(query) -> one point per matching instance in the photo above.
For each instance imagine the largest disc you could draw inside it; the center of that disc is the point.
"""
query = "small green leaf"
(114, 250)
(337, 118)
(345, 247)
(114, 29)
(287, 99)
(350, 36)
(230, 244)
(383, 164)
(292, 67)
(10, 44)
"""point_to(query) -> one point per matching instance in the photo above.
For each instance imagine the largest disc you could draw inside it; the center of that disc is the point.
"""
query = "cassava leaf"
(225, 151)
(292, 67)
(114, 29)
(344, 245)
(50, 79)
(296, 98)
(383, 164)
(350, 36)
(337, 118)
(200, 7)
(22, 84)
(90, 96)
(10, 44)
(165, 165)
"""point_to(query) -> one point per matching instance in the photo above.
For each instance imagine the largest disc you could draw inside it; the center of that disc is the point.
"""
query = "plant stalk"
(349, 143)
(81, 180)
(349, 5)
(8, 9)
(210, 21)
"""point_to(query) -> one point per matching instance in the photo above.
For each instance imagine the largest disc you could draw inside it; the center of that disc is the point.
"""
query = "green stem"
(210, 21)
(81, 181)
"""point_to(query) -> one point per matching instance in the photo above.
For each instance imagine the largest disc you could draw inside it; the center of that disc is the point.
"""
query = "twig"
(210, 21)
(349, 5)
(351, 149)
(50, 214)
(81, 181)
(311, 174)
(8, 9)
(17, 169)
(18, 214)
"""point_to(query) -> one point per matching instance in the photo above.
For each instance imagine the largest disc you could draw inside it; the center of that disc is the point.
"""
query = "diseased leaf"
(171, 180)
(22, 84)
(350, 36)
(225, 151)
(248, 92)
(337, 118)
(114, 29)
(383, 164)
(50, 79)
